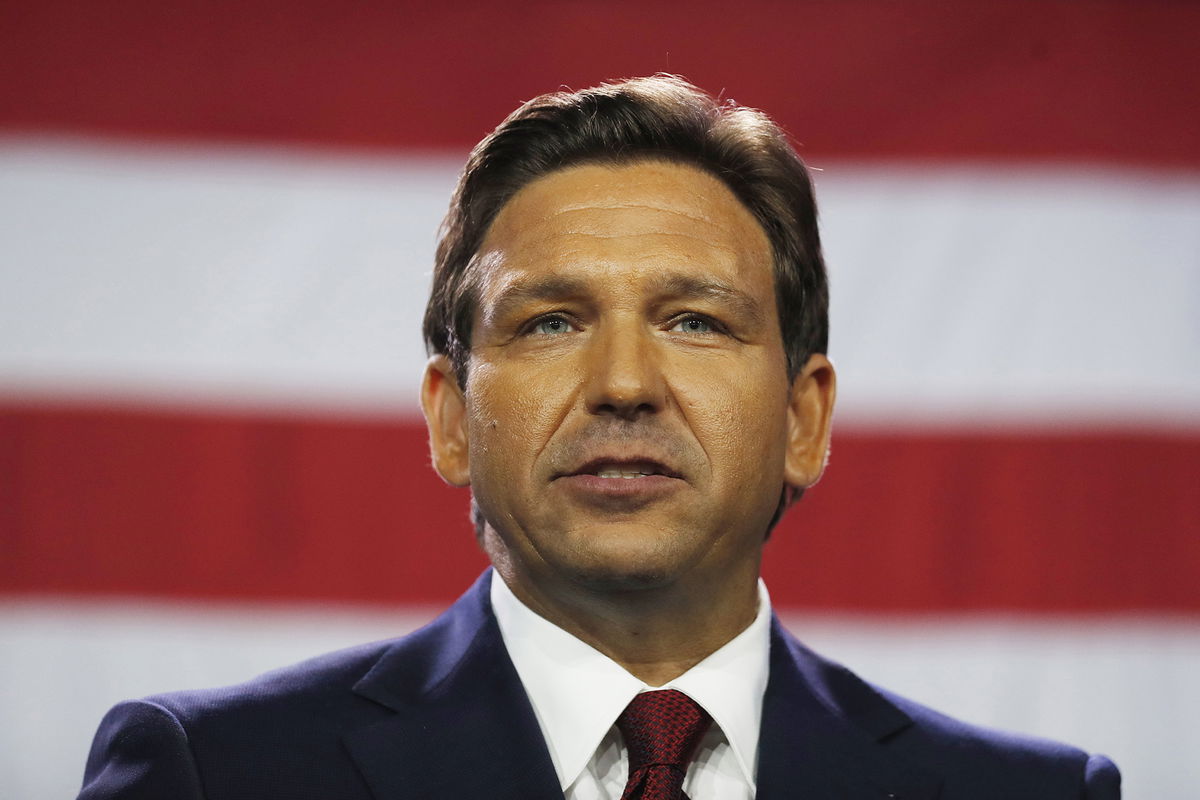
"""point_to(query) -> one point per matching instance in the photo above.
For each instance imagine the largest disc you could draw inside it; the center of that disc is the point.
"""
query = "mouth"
(620, 485)
(622, 469)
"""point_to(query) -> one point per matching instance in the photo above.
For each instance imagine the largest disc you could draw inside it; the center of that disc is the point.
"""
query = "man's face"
(628, 421)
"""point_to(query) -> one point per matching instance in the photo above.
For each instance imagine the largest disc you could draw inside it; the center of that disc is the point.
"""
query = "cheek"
(742, 426)
(511, 415)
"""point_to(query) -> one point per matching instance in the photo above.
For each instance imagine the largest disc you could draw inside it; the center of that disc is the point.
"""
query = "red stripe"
(1034, 79)
(107, 501)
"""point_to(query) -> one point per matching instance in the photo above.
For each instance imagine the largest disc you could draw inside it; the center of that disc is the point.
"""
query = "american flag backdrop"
(217, 222)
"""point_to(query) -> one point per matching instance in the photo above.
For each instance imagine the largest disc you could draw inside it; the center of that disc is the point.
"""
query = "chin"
(636, 568)
(609, 558)
(615, 579)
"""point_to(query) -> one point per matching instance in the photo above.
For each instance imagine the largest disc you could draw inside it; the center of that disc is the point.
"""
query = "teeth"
(610, 472)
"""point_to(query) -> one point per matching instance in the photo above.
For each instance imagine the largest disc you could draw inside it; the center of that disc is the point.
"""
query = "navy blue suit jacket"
(442, 714)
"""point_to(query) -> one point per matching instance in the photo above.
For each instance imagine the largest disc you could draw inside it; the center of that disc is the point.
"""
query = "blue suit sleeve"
(140, 752)
(1102, 779)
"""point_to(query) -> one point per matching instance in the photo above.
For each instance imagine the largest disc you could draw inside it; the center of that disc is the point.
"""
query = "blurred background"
(217, 222)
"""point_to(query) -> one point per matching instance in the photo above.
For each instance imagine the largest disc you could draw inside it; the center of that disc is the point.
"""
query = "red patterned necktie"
(662, 730)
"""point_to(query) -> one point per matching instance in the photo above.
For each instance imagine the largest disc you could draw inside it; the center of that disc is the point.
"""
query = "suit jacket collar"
(824, 733)
(463, 725)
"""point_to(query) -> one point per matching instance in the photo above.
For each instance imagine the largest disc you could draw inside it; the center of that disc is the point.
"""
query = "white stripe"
(253, 276)
(996, 293)
(985, 292)
(1121, 686)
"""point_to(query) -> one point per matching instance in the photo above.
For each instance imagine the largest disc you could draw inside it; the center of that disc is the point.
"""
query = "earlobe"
(810, 415)
(446, 418)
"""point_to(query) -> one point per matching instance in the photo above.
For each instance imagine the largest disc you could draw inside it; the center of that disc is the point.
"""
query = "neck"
(655, 633)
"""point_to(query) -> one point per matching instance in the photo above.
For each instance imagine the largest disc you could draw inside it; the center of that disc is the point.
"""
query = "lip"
(587, 486)
(652, 467)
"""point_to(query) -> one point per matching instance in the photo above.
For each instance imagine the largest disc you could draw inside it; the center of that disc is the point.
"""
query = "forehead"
(638, 217)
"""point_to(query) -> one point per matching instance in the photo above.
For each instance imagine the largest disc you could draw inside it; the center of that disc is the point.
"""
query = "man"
(628, 327)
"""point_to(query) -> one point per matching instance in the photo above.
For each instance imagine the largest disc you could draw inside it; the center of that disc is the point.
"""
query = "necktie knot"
(662, 728)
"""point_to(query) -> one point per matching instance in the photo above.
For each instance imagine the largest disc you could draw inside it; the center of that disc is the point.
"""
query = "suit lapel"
(463, 725)
(823, 733)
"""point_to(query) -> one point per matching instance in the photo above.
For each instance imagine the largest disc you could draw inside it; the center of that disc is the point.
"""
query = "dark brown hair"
(661, 117)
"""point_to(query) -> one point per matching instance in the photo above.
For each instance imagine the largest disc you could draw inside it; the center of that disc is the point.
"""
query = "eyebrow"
(677, 286)
(517, 293)
(690, 287)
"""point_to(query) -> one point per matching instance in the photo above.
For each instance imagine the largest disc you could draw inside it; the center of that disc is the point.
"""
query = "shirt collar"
(577, 692)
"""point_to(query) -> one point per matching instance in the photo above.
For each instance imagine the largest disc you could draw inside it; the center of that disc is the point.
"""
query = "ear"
(446, 418)
(810, 414)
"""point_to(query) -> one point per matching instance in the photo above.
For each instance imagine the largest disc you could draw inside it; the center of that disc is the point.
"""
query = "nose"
(624, 377)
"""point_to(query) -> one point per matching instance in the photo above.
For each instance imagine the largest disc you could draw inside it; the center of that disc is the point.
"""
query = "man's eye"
(552, 325)
(693, 325)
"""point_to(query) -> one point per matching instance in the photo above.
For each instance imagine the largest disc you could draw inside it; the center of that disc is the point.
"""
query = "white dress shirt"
(577, 693)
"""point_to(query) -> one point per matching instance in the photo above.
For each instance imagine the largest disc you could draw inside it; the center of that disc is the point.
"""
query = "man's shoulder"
(381, 672)
(298, 727)
(306, 683)
(970, 760)
(964, 749)
(282, 723)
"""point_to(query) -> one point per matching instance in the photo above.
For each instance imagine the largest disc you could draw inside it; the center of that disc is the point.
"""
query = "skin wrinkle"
(617, 205)
(488, 261)
(657, 579)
